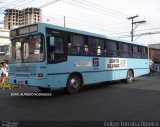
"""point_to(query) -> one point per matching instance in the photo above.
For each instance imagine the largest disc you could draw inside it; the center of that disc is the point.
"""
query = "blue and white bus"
(48, 56)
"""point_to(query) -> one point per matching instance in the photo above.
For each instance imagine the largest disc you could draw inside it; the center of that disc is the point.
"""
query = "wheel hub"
(74, 83)
(130, 77)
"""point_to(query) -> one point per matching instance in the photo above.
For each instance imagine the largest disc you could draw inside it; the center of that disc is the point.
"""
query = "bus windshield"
(27, 49)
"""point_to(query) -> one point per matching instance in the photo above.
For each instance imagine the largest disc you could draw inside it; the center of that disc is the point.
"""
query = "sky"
(108, 17)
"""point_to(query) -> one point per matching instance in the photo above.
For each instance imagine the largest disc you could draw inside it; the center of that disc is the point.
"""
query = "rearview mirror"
(51, 41)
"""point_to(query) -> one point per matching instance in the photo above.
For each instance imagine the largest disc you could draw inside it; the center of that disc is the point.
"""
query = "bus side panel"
(92, 68)
(139, 66)
(56, 81)
(95, 77)
(120, 74)
(139, 72)
(57, 74)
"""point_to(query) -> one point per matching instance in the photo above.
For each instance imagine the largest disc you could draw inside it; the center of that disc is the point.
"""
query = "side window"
(130, 50)
(96, 46)
(135, 51)
(125, 51)
(144, 52)
(101, 50)
(77, 45)
(59, 47)
(120, 49)
(56, 52)
(92, 46)
(140, 55)
(112, 48)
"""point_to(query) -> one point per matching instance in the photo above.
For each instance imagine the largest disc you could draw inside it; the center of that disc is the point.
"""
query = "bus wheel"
(73, 84)
(44, 89)
(130, 76)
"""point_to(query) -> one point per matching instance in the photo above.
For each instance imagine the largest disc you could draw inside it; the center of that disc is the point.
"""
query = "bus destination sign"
(28, 29)
(24, 30)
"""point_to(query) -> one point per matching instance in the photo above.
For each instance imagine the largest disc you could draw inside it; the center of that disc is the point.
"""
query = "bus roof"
(85, 33)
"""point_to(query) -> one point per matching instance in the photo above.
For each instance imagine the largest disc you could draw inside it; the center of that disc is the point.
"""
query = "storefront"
(4, 44)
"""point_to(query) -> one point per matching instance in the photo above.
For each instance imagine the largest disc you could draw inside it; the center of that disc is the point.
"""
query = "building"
(14, 17)
(4, 44)
(154, 55)
(154, 52)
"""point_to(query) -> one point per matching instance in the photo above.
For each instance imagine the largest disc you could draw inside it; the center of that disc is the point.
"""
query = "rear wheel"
(44, 89)
(73, 84)
(129, 78)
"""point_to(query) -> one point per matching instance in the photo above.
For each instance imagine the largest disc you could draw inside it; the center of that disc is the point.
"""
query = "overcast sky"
(107, 17)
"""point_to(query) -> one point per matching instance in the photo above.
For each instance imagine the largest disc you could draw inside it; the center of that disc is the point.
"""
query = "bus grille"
(22, 75)
(26, 69)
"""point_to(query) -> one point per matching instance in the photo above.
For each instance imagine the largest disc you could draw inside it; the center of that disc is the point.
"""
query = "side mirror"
(51, 41)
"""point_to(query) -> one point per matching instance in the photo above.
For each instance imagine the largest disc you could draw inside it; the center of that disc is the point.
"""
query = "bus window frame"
(61, 34)
(112, 50)
(80, 47)
(86, 47)
(33, 34)
(66, 35)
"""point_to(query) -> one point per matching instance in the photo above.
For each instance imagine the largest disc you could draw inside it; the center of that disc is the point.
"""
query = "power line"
(91, 26)
(70, 21)
(105, 10)
(26, 3)
(88, 7)
(108, 9)
(50, 3)
(135, 31)
(22, 3)
(83, 23)
(11, 4)
(82, 20)
(140, 34)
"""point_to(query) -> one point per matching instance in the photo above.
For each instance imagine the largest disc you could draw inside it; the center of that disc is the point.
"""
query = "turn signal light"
(40, 75)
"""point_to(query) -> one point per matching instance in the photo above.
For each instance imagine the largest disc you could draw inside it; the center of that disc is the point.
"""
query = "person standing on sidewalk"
(0, 74)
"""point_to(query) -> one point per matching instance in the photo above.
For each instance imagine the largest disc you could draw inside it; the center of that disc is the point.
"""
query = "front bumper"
(35, 82)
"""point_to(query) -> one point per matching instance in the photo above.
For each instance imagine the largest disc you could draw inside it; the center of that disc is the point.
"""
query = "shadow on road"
(24, 92)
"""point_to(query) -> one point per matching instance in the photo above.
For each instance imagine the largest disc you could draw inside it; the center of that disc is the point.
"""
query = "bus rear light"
(40, 75)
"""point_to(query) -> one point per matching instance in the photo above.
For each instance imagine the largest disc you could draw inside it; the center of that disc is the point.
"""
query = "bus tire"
(130, 76)
(43, 90)
(73, 84)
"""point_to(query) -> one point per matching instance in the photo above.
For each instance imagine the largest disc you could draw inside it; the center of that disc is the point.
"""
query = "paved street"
(100, 102)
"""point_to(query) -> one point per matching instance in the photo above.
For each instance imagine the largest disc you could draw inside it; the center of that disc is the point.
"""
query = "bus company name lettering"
(116, 63)
(83, 63)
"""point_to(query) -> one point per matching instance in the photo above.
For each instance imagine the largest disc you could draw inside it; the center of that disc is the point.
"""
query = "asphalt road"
(111, 101)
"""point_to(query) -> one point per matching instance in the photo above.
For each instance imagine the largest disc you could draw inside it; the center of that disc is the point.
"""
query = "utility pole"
(134, 23)
(132, 29)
